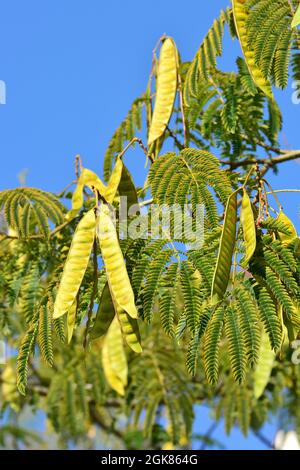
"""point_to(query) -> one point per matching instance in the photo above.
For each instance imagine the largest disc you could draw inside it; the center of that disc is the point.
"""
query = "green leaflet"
(76, 264)
(71, 318)
(248, 224)
(264, 366)
(227, 243)
(45, 335)
(286, 238)
(105, 314)
(114, 359)
(296, 19)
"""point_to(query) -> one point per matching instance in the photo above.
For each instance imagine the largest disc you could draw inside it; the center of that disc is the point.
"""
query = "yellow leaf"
(240, 14)
(76, 264)
(71, 320)
(248, 224)
(114, 359)
(166, 86)
(115, 266)
(91, 180)
(227, 243)
(290, 226)
(114, 181)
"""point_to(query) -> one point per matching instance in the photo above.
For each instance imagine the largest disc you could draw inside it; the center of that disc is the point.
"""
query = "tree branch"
(267, 162)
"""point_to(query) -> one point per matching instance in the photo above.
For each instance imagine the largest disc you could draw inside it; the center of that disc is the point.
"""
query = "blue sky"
(72, 69)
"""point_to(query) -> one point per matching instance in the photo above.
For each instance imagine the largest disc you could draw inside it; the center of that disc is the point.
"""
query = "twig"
(78, 165)
(267, 162)
(146, 203)
(208, 434)
(143, 147)
(182, 106)
(284, 191)
(264, 440)
(177, 142)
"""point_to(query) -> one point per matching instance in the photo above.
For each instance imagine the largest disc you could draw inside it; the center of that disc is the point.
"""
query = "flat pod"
(166, 86)
(127, 188)
(240, 14)
(248, 224)
(115, 266)
(105, 314)
(76, 264)
(91, 180)
(114, 359)
(293, 232)
(227, 243)
(114, 181)
(264, 366)
(296, 19)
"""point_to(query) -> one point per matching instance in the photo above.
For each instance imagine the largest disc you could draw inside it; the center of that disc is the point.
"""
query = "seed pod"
(166, 86)
(76, 264)
(227, 243)
(248, 224)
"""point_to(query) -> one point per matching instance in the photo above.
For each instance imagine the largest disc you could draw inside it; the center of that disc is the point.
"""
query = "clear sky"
(72, 69)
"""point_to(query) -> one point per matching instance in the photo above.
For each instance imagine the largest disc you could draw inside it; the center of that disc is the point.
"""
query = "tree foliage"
(145, 328)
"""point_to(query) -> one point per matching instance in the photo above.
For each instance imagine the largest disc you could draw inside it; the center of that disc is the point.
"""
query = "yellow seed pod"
(91, 180)
(290, 226)
(9, 387)
(114, 181)
(76, 264)
(117, 276)
(240, 15)
(166, 86)
(296, 19)
(264, 366)
(248, 224)
(130, 330)
(114, 359)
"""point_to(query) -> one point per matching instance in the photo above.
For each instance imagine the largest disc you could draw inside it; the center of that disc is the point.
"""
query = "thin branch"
(78, 166)
(143, 147)
(97, 418)
(264, 440)
(267, 162)
(284, 191)
(177, 142)
(185, 136)
(209, 434)
(146, 203)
